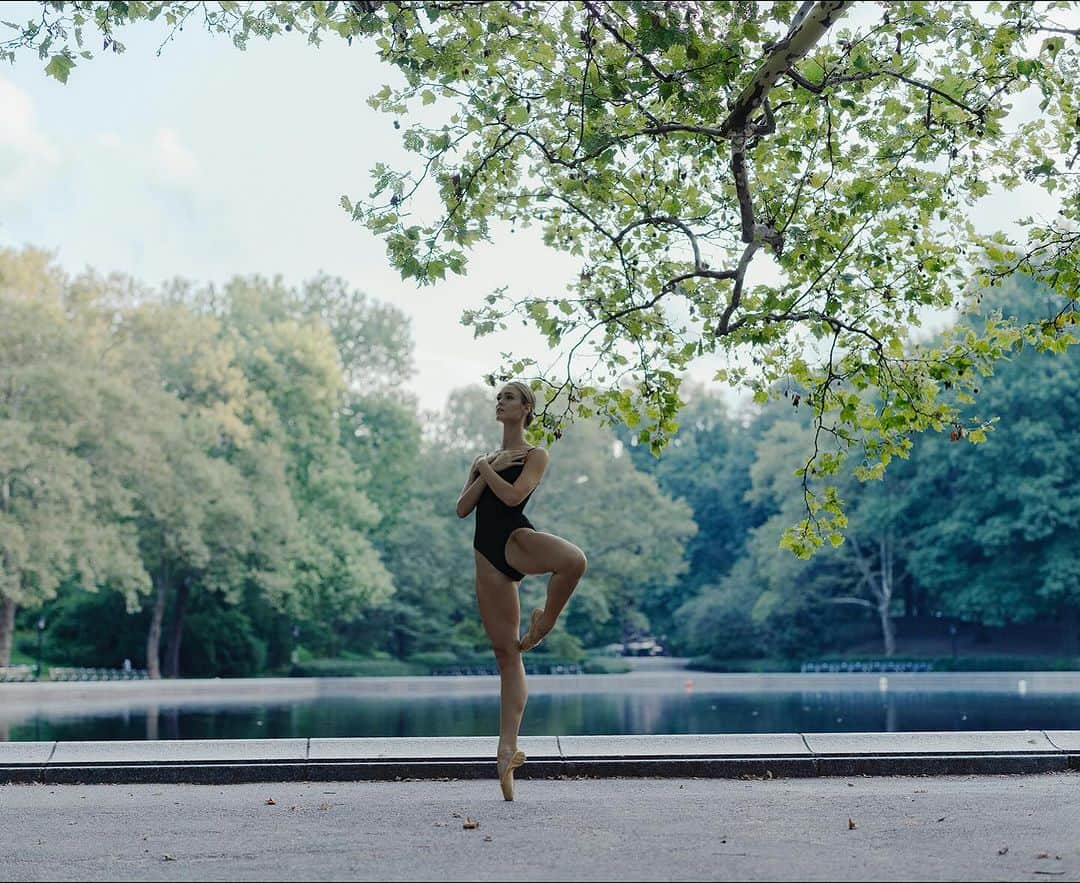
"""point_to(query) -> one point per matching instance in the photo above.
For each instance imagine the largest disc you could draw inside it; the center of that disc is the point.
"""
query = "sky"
(207, 162)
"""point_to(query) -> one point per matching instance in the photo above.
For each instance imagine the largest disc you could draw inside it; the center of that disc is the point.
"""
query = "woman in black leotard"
(507, 547)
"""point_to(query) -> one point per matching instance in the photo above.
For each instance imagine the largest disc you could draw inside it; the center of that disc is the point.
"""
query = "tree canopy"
(796, 178)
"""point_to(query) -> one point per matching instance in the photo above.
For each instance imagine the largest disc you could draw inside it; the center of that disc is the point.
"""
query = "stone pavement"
(829, 828)
(715, 756)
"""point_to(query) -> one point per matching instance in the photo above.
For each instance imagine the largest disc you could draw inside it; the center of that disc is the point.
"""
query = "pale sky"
(207, 162)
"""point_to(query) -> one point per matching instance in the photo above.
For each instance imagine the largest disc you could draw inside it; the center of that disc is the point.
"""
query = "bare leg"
(500, 611)
(560, 587)
(513, 694)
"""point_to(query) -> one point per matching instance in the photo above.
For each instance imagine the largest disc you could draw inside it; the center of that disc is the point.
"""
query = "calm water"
(565, 714)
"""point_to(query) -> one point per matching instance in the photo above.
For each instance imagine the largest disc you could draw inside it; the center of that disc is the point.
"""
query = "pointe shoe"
(506, 773)
(533, 636)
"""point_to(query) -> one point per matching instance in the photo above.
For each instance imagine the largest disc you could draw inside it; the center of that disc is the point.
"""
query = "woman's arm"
(470, 493)
(511, 494)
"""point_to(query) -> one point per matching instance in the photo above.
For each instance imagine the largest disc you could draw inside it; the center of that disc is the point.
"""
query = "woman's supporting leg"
(500, 613)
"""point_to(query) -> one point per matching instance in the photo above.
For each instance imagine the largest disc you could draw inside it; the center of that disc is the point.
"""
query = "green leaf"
(59, 67)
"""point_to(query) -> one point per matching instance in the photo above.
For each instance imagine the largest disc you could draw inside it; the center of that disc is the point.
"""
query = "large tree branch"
(808, 27)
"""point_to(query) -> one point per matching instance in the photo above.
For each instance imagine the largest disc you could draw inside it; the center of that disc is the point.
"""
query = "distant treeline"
(235, 481)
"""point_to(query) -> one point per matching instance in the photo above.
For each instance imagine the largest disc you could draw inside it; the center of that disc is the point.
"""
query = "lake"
(638, 703)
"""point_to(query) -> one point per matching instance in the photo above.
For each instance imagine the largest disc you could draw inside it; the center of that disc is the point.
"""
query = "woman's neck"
(513, 440)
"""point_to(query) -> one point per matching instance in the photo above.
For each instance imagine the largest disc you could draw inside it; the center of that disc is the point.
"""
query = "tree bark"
(888, 629)
(153, 637)
(885, 596)
(7, 630)
(176, 630)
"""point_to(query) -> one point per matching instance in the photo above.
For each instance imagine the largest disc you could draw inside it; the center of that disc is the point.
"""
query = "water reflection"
(626, 713)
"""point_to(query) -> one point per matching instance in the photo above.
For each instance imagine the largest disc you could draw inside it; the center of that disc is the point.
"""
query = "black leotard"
(495, 521)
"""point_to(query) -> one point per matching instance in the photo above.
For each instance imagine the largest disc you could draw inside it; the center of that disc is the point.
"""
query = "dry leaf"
(270, 801)
(942, 819)
(168, 858)
(324, 805)
(851, 824)
(471, 823)
(1003, 850)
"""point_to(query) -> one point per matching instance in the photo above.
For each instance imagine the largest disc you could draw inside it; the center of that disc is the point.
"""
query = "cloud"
(26, 154)
(172, 158)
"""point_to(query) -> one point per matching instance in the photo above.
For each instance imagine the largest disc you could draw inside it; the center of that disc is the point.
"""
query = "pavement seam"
(814, 758)
(1051, 741)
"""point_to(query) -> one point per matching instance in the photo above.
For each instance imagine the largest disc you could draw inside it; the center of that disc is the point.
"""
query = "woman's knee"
(576, 564)
(506, 654)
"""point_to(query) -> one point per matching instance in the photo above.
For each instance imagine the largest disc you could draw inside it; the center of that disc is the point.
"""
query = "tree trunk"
(7, 631)
(153, 637)
(176, 630)
(888, 629)
(885, 596)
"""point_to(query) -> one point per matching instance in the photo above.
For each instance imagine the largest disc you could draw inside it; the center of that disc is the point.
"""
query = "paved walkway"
(905, 828)
(714, 756)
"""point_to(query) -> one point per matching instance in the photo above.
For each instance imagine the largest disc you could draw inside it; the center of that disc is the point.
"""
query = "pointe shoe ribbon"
(506, 773)
(533, 636)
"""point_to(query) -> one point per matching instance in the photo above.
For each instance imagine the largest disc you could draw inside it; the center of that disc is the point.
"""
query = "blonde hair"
(526, 395)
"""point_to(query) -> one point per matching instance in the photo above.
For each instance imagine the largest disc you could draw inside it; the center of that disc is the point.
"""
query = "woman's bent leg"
(532, 551)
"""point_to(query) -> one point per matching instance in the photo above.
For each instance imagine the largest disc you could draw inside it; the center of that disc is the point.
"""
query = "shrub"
(606, 665)
(350, 668)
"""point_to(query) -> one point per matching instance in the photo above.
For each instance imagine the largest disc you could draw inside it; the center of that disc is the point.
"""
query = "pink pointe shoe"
(533, 636)
(506, 769)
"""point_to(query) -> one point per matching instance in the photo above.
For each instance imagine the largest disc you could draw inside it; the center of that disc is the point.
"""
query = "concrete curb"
(771, 755)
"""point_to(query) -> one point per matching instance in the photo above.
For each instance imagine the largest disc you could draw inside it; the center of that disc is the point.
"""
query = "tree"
(671, 145)
(707, 465)
(68, 424)
(994, 534)
(321, 566)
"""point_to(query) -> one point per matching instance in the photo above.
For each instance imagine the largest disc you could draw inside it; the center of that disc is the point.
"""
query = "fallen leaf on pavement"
(942, 819)
(168, 858)
(270, 801)
(1003, 850)
(471, 823)
(851, 824)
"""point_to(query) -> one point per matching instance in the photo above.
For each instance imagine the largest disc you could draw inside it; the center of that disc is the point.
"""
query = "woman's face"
(508, 406)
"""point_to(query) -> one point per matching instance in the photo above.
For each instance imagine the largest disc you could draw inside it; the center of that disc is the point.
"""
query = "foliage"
(220, 641)
(603, 665)
(350, 668)
(670, 145)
